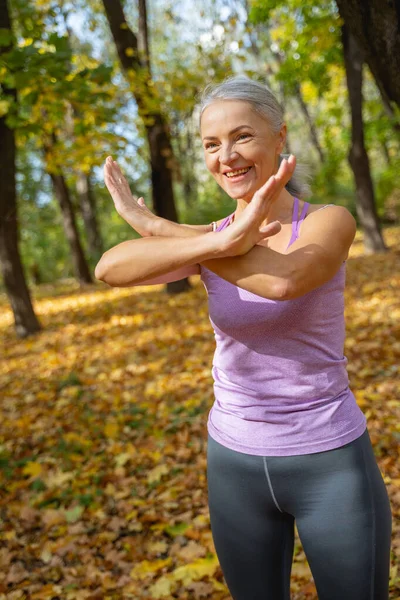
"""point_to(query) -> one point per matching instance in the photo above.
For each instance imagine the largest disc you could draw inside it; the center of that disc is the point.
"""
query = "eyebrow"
(213, 137)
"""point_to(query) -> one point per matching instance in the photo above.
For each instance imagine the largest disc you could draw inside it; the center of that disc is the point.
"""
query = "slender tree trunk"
(135, 62)
(71, 231)
(358, 156)
(311, 125)
(310, 122)
(385, 151)
(26, 322)
(88, 208)
(375, 24)
(143, 37)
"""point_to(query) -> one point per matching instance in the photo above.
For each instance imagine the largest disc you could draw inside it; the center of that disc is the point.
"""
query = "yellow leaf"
(129, 52)
(196, 570)
(111, 430)
(58, 478)
(122, 459)
(32, 468)
(132, 515)
(4, 105)
(163, 588)
(156, 473)
(148, 567)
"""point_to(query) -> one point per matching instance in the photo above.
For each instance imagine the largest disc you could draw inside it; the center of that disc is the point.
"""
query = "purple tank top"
(281, 386)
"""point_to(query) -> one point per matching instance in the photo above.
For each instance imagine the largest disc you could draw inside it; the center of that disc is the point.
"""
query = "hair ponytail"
(298, 184)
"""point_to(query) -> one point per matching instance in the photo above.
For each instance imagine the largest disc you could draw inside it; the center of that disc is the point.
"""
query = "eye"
(210, 145)
(243, 136)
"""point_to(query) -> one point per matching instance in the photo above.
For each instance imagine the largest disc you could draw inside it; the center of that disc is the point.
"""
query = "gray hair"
(262, 101)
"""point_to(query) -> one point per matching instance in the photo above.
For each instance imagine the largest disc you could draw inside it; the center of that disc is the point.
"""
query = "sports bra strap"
(302, 216)
(224, 223)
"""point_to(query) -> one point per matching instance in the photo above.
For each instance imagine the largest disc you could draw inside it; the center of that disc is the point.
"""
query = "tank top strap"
(225, 222)
(302, 216)
(295, 221)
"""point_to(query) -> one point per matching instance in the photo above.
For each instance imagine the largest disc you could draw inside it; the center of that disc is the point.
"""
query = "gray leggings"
(342, 512)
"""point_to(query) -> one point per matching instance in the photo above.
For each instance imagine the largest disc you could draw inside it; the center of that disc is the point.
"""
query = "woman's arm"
(136, 261)
(163, 227)
(312, 260)
(177, 275)
(135, 212)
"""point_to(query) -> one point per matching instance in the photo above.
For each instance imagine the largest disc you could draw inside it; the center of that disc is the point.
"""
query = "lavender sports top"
(280, 380)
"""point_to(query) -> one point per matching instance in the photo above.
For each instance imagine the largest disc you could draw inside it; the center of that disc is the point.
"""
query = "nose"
(228, 155)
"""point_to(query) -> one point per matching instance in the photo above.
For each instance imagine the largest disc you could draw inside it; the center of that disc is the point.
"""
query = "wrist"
(215, 246)
(143, 224)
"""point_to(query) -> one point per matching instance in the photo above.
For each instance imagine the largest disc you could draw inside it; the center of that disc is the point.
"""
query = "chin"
(243, 194)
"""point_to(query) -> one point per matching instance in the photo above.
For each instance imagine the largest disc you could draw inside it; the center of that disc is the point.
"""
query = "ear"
(281, 139)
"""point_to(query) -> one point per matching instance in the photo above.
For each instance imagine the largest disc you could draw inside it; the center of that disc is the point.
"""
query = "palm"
(131, 210)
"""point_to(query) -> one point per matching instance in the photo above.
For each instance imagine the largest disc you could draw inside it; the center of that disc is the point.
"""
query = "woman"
(286, 439)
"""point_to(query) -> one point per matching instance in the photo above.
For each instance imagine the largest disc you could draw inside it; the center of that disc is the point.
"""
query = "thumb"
(141, 201)
(270, 229)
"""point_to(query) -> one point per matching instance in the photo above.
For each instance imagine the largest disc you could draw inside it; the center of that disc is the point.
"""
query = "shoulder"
(332, 226)
(330, 216)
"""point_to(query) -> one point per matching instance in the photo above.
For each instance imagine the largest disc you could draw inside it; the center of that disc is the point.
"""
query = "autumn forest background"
(104, 392)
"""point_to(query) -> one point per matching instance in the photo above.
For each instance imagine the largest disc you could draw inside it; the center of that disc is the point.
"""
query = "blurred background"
(104, 392)
(85, 79)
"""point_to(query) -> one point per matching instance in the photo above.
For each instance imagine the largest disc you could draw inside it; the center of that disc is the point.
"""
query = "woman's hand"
(133, 211)
(245, 232)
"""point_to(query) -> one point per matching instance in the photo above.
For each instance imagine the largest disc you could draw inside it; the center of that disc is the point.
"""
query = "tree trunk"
(358, 156)
(26, 322)
(135, 60)
(385, 152)
(375, 24)
(143, 37)
(310, 122)
(311, 126)
(88, 208)
(71, 231)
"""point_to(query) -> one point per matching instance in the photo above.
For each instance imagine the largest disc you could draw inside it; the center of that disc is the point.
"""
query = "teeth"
(238, 172)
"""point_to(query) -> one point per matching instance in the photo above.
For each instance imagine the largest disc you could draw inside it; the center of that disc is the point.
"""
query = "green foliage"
(74, 107)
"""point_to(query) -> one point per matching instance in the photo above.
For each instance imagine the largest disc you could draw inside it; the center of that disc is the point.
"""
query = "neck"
(281, 209)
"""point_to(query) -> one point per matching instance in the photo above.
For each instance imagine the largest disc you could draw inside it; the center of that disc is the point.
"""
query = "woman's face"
(241, 150)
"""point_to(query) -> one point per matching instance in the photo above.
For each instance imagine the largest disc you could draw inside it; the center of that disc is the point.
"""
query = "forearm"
(165, 228)
(261, 271)
(136, 261)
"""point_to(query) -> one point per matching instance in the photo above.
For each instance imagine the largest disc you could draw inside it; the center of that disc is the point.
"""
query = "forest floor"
(103, 436)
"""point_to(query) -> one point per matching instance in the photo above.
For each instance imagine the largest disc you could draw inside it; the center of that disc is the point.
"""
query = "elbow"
(283, 290)
(100, 271)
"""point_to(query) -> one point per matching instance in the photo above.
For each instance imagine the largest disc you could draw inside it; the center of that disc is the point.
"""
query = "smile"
(237, 172)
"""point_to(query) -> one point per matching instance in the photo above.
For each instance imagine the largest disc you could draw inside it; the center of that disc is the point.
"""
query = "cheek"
(211, 163)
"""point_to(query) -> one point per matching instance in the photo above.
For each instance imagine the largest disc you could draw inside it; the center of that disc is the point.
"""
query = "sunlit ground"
(103, 436)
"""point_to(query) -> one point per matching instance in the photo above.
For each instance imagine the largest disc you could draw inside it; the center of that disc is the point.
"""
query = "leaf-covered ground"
(103, 436)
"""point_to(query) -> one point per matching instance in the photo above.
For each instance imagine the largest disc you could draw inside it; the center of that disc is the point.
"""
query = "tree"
(375, 24)
(26, 322)
(88, 209)
(320, 22)
(63, 196)
(134, 56)
(358, 156)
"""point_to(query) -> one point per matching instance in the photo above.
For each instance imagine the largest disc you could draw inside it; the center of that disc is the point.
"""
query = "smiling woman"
(286, 439)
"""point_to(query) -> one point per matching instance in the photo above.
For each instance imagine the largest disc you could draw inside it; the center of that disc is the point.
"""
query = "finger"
(117, 168)
(108, 177)
(281, 178)
(271, 229)
(285, 171)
